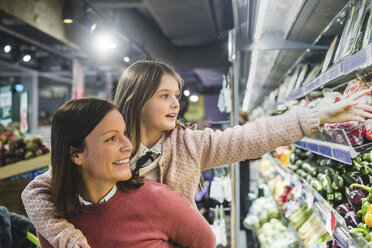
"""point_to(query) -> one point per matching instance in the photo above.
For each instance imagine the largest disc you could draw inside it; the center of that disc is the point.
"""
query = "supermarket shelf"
(342, 153)
(337, 74)
(322, 208)
(24, 166)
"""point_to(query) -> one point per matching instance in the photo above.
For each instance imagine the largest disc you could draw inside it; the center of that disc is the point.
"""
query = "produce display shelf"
(289, 224)
(24, 166)
(338, 73)
(338, 152)
(321, 207)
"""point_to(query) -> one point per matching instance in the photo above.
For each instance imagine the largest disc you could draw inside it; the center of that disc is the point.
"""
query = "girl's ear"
(75, 155)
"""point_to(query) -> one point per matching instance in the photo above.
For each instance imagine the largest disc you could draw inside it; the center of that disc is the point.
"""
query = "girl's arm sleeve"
(252, 140)
(37, 200)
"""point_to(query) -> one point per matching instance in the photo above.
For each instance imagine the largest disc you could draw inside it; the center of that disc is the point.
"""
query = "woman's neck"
(93, 191)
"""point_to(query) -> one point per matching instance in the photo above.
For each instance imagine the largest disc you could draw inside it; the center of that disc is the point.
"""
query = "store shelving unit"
(321, 207)
(24, 166)
(335, 75)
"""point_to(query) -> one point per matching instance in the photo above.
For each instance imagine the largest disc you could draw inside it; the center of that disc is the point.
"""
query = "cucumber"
(325, 181)
(330, 197)
(316, 185)
(312, 170)
(308, 179)
(337, 182)
(338, 196)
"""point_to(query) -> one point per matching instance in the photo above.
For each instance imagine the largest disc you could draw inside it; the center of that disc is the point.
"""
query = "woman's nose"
(126, 144)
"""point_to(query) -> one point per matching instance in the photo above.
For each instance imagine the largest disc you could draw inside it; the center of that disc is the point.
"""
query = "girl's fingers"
(364, 106)
(360, 94)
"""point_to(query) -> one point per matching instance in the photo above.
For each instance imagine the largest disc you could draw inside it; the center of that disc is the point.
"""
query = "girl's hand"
(346, 110)
(81, 243)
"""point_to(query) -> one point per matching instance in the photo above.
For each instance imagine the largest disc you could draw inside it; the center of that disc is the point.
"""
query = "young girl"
(93, 186)
(167, 152)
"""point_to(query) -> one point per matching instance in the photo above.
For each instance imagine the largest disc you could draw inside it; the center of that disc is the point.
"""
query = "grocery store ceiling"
(192, 35)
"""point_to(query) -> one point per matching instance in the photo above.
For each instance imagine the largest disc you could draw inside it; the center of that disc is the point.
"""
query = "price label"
(297, 191)
(287, 179)
(330, 223)
(309, 199)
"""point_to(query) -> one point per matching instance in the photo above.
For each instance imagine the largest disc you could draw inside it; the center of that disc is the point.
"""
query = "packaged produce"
(329, 54)
(368, 32)
(344, 36)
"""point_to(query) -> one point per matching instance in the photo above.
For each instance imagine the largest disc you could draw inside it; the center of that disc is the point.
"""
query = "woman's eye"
(164, 96)
(110, 139)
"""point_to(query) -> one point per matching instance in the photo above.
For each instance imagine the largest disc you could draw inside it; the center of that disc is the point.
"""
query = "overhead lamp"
(104, 43)
(88, 21)
(7, 48)
(186, 92)
(18, 87)
(68, 12)
(126, 59)
(194, 98)
(26, 58)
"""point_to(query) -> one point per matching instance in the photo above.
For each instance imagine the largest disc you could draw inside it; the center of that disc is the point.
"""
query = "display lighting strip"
(254, 58)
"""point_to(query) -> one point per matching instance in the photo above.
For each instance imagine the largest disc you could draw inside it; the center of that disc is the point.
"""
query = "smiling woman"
(92, 185)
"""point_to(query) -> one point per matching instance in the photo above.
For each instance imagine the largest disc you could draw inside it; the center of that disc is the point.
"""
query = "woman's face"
(105, 158)
(160, 112)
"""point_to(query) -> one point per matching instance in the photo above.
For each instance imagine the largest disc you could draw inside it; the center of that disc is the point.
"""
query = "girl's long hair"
(136, 86)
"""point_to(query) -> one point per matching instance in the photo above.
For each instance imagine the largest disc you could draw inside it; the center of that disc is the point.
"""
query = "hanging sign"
(77, 80)
(6, 105)
(24, 111)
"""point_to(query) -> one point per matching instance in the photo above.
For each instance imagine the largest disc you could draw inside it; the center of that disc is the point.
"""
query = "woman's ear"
(75, 155)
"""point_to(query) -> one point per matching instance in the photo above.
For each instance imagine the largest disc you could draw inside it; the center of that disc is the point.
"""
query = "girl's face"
(160, 112)
(105, 159)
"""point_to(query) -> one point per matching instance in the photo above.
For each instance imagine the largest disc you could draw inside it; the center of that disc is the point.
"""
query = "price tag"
(297, 191)
(287, 179)
(330, 223)
(309, 199)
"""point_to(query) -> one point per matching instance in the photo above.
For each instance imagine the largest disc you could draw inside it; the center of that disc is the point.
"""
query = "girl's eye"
(110, 139)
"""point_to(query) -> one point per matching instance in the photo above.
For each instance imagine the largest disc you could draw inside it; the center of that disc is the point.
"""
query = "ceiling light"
(26, 58)
(186, 92)
(68, 12)
(260, 20)
(103, 43)
(194, 98)
(7, 49)
(18, 87)
(126, 59)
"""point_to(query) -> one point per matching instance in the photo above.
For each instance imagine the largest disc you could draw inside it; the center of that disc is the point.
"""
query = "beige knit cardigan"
(185, 154)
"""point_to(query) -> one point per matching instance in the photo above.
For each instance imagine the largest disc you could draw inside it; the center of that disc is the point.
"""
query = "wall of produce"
(328, 203)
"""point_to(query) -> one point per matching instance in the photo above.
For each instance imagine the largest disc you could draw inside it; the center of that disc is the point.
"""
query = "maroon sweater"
(151, 216)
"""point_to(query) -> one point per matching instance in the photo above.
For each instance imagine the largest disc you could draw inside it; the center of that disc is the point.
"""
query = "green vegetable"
(312, 170)
(325, 181)
(316, 185)
(338, 196)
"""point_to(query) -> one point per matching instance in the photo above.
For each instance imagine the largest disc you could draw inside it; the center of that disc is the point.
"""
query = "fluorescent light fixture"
(194, 98)
(186, 92)
(126, 59)
(26, 58)
(7, 49)
(104, 43)
(260, 20)
(68, 21)
(252, 74)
